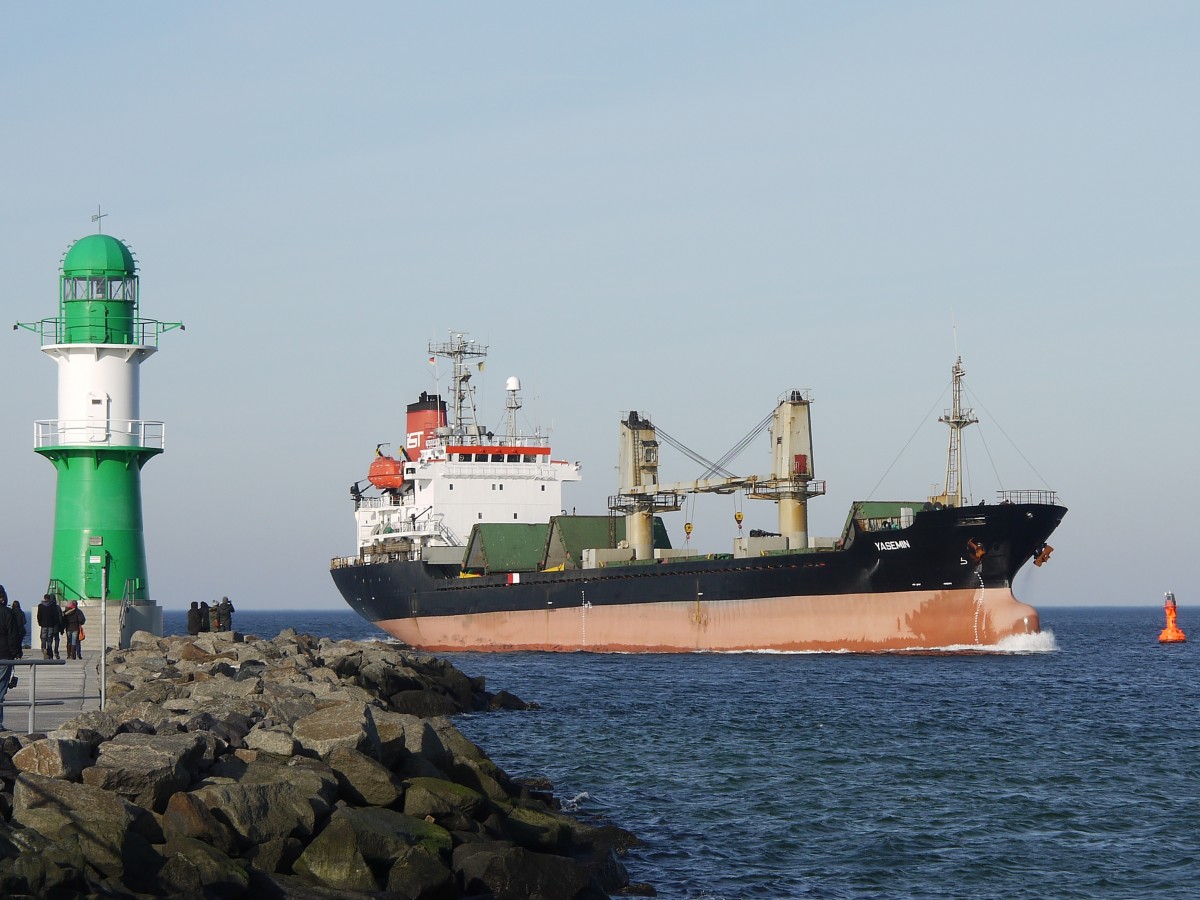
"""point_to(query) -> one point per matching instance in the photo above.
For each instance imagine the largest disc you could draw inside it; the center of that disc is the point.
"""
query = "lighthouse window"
(451, 487)
(514, 515)
(543, 488)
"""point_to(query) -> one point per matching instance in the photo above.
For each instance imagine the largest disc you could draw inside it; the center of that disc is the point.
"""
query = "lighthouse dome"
(98, 255)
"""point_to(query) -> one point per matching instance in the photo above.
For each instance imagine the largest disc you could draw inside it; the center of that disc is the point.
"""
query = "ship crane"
(790, 483)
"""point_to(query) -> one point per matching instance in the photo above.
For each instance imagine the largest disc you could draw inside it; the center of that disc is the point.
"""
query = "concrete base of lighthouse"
(122, 621)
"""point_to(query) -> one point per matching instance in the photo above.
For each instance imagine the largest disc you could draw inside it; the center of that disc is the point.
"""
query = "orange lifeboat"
(386, 473)
(1172, 634)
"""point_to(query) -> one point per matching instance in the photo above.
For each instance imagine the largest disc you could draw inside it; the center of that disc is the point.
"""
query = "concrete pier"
(66, 690)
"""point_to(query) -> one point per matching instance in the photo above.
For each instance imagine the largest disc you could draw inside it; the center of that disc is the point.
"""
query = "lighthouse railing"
(141, 433)
(136, 332)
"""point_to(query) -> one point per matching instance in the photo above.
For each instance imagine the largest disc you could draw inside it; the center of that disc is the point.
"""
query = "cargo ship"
(464, 544)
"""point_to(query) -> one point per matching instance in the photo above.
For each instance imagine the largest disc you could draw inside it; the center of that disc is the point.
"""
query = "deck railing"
(1047, 498)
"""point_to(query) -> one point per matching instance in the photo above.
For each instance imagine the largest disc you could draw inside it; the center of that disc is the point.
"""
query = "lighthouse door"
(97, 564)
(97, 417)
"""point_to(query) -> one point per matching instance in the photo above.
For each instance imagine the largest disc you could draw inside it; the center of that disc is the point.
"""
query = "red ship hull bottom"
(910, 620)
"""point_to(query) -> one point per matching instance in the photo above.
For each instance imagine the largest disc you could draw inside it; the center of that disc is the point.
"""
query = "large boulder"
(148, 769)
(441, 801)
(334, 860)
(198, 869)
(358, 843)
(55, 758)
(419, 873)
(186, 816)
(100, 820)
(277, 740)
(362, 780)
(257, 813)
(340, 725)
(514, 873)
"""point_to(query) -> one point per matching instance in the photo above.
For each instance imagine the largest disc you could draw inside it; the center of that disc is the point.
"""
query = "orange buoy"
(386, 472)
(1171, 634)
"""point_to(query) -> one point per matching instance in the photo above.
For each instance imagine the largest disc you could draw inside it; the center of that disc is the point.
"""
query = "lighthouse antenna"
(97, 217)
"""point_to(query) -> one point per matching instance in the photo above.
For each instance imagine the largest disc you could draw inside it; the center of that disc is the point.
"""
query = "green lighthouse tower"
(99, 442)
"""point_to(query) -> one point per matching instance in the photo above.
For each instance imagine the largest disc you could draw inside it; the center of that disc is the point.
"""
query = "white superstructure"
(454, 474)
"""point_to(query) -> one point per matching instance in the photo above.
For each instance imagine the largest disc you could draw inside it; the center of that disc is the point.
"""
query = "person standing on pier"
(225, 610)
(10, 647)
(22, 622)
(73, 621)
(50, 621)
(193, 619)
(204, 616)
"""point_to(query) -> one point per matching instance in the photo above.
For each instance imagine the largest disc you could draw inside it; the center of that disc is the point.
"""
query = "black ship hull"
(944, 580)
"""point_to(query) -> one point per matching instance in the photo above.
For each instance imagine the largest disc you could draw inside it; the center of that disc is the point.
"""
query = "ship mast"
(957, 418)
(459, 349)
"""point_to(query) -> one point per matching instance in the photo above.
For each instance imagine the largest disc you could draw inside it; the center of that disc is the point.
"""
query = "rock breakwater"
(292, 767)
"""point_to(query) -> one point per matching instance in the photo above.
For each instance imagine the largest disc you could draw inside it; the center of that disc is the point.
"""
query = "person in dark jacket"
(22, 622)
(50, 621)
(10, 647)
(225, 611)
(204, 616)
(193, 620)
(73, 621)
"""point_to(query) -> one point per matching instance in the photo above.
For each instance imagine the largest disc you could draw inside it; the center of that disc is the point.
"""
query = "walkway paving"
(64, 689)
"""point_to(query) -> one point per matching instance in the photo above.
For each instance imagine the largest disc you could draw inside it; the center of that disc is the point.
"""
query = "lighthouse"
(99, 442)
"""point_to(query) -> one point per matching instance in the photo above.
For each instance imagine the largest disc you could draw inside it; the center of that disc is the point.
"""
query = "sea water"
(1066, 766)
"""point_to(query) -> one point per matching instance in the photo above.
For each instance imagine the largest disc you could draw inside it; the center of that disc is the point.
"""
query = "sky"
(685, 209)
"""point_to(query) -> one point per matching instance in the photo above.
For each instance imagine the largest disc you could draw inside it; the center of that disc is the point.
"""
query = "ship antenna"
(513, 385)
(957, 419)
(459, 349)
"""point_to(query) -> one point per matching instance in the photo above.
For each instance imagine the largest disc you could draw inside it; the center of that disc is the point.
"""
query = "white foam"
(1041, 642)
(574, 803)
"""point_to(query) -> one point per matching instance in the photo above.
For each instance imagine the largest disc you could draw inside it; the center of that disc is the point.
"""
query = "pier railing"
(33, 704)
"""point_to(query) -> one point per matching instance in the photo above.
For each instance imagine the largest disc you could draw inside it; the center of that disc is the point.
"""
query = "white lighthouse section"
(99, 398)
